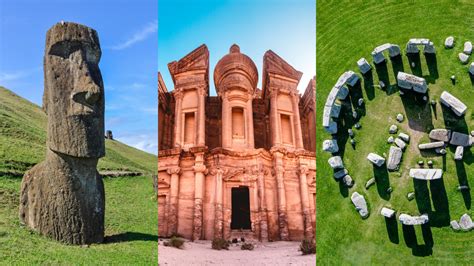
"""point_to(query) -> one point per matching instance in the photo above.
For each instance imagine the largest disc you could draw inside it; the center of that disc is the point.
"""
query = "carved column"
(199, 172)
(178, 95)
(218, 216)
(173, 203)
(201, 140)
(282, 215)
(250, 135)
(297, 121)
(262, 205)
(226, 123)
(276, 138)
(308, 227)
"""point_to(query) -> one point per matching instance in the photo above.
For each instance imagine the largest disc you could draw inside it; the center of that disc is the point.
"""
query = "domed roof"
(235, 63)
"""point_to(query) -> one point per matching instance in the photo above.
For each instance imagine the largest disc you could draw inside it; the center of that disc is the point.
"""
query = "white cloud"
(12, 76)
(139, 36)
(144, 142)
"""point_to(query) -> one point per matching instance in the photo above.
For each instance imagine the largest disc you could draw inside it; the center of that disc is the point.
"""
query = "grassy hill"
(130, 219)
(347, 31)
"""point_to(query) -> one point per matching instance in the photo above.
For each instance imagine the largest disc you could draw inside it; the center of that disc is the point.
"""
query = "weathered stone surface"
(330, 145)
(426, 174)
(394, 158)
(389, 213)
(376, 159)
(440, 151)
(377, 53)
(459, 153)
(400, 143)
(458, 107)
(363, 65)
(336, 162)
(404, 137)
(455, 225)
(440, 134)
(331, 128)
(463, 58)
(460, 139)
(63, 196)
(428, 46)
(411, 82)
(369, 183)
(466, 222)
(393, 129)
(360, 204)
(390, 139)
(407, 219)
(335, 110)
(411, 196)
(400, 118)
(449, 42)
(360, 102)
(431, 145)
(340, 174)
(347, 180)
(467, 48)
(471, 68)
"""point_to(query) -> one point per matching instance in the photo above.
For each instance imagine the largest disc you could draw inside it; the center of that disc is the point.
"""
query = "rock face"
(460, 139)
(449, 42)
(458, 107)
(426, 174)
(63, 196)
(376, 159)
(440, 134)
(466, 222)
(407, 219)
(360, 204)
(394, 158)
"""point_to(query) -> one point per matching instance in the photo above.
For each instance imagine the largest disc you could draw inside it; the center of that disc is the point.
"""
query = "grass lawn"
(347, 31)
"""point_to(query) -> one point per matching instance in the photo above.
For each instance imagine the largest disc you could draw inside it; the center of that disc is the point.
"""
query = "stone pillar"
(226, 123)
(274, 119)
(178, 114)
(282, 215)
(250, 135)
(173, 203)
(201, 134)
(262, 206)
(218, 216)
(199, 172)
(308, 227)
(297, 121)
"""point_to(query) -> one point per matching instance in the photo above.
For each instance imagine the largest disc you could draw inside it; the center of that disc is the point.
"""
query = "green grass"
(347, 31)
(131, 213)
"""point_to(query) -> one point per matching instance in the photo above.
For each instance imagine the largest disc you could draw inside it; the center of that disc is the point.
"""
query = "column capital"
(303, 169)
(173, 170)
(200, 168)
(178, 94)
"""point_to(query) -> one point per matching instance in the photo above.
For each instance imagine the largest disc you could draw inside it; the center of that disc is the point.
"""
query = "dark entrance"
(240, 208)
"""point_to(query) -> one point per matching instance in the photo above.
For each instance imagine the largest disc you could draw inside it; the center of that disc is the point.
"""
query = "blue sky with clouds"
(128, 35)
(288, 27)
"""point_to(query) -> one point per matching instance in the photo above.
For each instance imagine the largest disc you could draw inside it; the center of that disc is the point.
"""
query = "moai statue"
(108, 135)
(63, 196)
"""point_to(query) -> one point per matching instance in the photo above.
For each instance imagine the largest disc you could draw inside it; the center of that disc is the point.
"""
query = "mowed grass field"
(347, 31)
(131, 213)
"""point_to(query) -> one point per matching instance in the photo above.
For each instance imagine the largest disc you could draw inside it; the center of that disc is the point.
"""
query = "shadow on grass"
(418, 111)
(462, 178)
(440, 216)
(415, 64)
(409, 235)
(432, 63)
(454, 122)
(382, 181)
(382, 72)
(130, 236)
(392, 229)
(422, 195)
(397, 64)
(369, 85)
(355, 93)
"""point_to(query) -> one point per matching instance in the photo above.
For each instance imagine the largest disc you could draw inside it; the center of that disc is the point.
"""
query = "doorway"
(240, 208)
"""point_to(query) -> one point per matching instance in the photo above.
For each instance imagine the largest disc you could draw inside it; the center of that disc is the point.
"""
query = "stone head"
(73, 91)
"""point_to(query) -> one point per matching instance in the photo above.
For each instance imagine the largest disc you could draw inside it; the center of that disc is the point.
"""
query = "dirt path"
(200, 253)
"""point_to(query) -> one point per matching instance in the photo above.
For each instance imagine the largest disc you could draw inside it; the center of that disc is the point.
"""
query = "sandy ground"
(200, 253)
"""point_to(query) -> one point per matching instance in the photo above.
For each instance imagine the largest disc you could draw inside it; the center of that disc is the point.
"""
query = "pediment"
(198, 59)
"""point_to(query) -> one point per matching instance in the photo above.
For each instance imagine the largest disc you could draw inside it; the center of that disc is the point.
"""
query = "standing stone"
(361, 100)
(393, 129)
(471, 68)
(463, 58)
(350, 132)
(347, 180)
(466, 222)
(63, 196)
(400, 118)
(376, 159)
(460, 139)
(467, 48)
(394, 158)
(336, 162)
(330, 145)
(360, 204)
(400, 143)
(390, 139)
(363, 65)
(459, 153)
(341, 173)
(404, 137)
(449, 42)
(389, 213)
(411, 196)
(357, 125)
(455, 225)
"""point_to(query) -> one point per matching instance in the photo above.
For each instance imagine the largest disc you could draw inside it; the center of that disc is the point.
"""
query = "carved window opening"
(240, 208)
(286, 130)
(189, 128)
(238, 123)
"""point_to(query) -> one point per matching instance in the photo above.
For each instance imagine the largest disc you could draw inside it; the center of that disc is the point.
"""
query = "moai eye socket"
(64, 49)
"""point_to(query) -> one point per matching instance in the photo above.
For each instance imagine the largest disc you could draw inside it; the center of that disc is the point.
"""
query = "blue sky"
(128, 35)
(288, 27)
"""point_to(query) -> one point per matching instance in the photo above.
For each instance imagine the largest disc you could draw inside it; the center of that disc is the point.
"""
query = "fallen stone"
(360, 204)
(404, 137)
(463, 58)
(369, 183)
(350, 132)
(411, 196)
(440, 134)
(390, 139)
(461, 188)
(389, 213)
(431, 145)
(340, 174)
(354, 114)
(455, 225)
(393, 129)
(459, 153)
(330, 145)
(458, 107)
(440, 151)
(336, 162)
(347, 180)
(400, 143)
(430, 163)
(382, 84)
(376, 159)
(460, 139)
(467, 48)
(466, 222)
(426, 174)
(394, 158)
(449, 42)
(413, 220)
(357, 125)
(421, 163)
(363, 65)
(400, 118)
(360, 101)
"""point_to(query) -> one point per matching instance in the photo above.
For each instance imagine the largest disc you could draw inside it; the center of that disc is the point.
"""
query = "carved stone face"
(74, 92)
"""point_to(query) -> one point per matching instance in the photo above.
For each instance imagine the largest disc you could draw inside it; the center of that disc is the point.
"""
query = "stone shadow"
(397, 64)
(418, 111)
(382, 181)
(414, 58)
(454, 122)
(355, 93)
(422, 196)
(392, 229)
(411, 241)
(345, 122)
(382, 72)
(369, 85)
(472, 79)
(432, 63)
(440, 216)
(462, 178)
(130, 236)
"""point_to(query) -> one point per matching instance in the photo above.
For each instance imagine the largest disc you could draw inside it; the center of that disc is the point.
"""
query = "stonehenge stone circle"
(63, 196)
